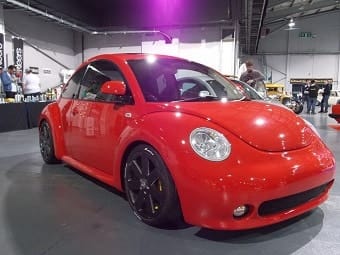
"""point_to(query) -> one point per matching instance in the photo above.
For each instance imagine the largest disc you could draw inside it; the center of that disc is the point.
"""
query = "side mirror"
(117, 88)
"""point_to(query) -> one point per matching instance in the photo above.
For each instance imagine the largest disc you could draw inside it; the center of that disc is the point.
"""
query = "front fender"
(167, 132)
(51, 114)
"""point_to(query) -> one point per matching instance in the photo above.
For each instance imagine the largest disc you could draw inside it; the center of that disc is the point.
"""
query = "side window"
(97, 73)
(71, 88)
(191, 89)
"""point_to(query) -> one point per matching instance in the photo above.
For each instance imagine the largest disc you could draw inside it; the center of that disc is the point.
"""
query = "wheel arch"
(125, 155)
(51, 115)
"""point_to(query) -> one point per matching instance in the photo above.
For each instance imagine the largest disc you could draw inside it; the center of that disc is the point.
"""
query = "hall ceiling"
(254, 17)
(104, 14)
(279, 12)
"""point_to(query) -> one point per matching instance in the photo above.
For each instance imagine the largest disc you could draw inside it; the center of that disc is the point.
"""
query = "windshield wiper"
(200, 99)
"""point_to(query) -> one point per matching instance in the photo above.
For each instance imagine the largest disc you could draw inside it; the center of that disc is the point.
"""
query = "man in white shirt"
(31, 84)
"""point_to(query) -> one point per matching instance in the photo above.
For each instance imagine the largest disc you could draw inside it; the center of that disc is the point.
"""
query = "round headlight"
(210, 144)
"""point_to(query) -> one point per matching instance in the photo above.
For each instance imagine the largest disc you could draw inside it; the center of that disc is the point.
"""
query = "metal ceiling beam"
(284, 21)
(47, 15)
(263, 13)
(273, 3)
(250, 25)
(299, 7)
(76, 27)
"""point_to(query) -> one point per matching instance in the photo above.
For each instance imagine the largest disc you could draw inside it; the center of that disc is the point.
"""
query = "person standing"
(31, 84)
(251, 75)
(306, 95)
(1, 87)
(9, 81)
(325, 96)
(313, 94)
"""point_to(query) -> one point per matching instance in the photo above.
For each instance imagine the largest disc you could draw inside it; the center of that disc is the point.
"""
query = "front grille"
(286, 203)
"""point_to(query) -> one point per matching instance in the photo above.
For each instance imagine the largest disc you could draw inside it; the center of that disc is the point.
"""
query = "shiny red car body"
(277, 166)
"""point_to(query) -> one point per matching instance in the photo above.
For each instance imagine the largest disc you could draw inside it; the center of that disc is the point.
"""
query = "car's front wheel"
(150, 189)
(46, 144)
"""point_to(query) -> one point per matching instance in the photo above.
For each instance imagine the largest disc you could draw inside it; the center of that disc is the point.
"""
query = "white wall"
(203, 45)
(289, 56)
(55, 40)
(200, 44)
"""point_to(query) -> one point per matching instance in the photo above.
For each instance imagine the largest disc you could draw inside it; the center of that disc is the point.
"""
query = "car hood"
(265, 126)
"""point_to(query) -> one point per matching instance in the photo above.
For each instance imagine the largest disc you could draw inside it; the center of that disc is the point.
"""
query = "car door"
(97, 122)
(66, 101)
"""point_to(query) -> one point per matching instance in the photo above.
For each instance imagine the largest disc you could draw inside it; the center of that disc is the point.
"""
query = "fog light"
(241, 211)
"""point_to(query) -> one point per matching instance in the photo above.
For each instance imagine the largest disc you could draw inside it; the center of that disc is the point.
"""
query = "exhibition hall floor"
(55, 210)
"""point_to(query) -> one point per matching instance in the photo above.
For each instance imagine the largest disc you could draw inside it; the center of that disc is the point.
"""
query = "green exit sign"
(305, 34)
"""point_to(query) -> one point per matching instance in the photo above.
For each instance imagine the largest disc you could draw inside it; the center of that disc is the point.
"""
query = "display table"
(33, 112)
(18, 116)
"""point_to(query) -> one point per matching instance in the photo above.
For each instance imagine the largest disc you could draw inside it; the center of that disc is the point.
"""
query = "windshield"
(166, 79)
(248, 91)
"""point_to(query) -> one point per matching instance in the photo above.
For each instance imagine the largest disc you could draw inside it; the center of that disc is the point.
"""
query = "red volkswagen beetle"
(182, 149)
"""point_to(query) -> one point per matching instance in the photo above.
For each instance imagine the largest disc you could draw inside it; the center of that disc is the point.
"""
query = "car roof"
(128, 56)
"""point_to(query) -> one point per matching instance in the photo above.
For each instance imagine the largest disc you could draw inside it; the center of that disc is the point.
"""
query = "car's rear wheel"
(150, 189)
(298, 107)
(46, 144)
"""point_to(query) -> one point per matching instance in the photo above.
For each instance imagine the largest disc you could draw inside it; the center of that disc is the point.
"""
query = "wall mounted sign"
(47, 71)
(34, 69)
(18, 54)
(304, 80)
(305, 35)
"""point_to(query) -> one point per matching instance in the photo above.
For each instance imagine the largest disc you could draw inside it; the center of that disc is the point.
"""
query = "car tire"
(46, 144)
(286, 101)
(150, 189)
(298, 108)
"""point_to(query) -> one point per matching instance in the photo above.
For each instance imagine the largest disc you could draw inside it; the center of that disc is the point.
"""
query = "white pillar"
(2, 22)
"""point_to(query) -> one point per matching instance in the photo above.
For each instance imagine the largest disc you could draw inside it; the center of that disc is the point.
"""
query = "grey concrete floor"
(53, 209)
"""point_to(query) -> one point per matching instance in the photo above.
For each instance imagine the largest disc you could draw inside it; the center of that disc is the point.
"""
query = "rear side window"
(71, 88)
(97, 73)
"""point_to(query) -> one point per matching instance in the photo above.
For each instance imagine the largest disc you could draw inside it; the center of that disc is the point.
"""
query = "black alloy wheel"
(46, 143)
(298, 107)
(150, 189)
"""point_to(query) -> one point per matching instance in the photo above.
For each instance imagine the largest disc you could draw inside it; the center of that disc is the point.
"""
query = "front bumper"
(210, 191)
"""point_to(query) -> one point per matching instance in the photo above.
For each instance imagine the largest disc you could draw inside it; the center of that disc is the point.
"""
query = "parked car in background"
(249, 91)
(184, 143)
(334, 97)
(277, 93)
(258, 92)
(335, 114)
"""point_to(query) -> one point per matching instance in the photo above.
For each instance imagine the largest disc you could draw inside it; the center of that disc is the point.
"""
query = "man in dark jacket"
(313, 94)
(306, 95)
(325, 96)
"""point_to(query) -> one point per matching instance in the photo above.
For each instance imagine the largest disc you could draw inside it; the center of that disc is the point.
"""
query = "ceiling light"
(291, 23)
